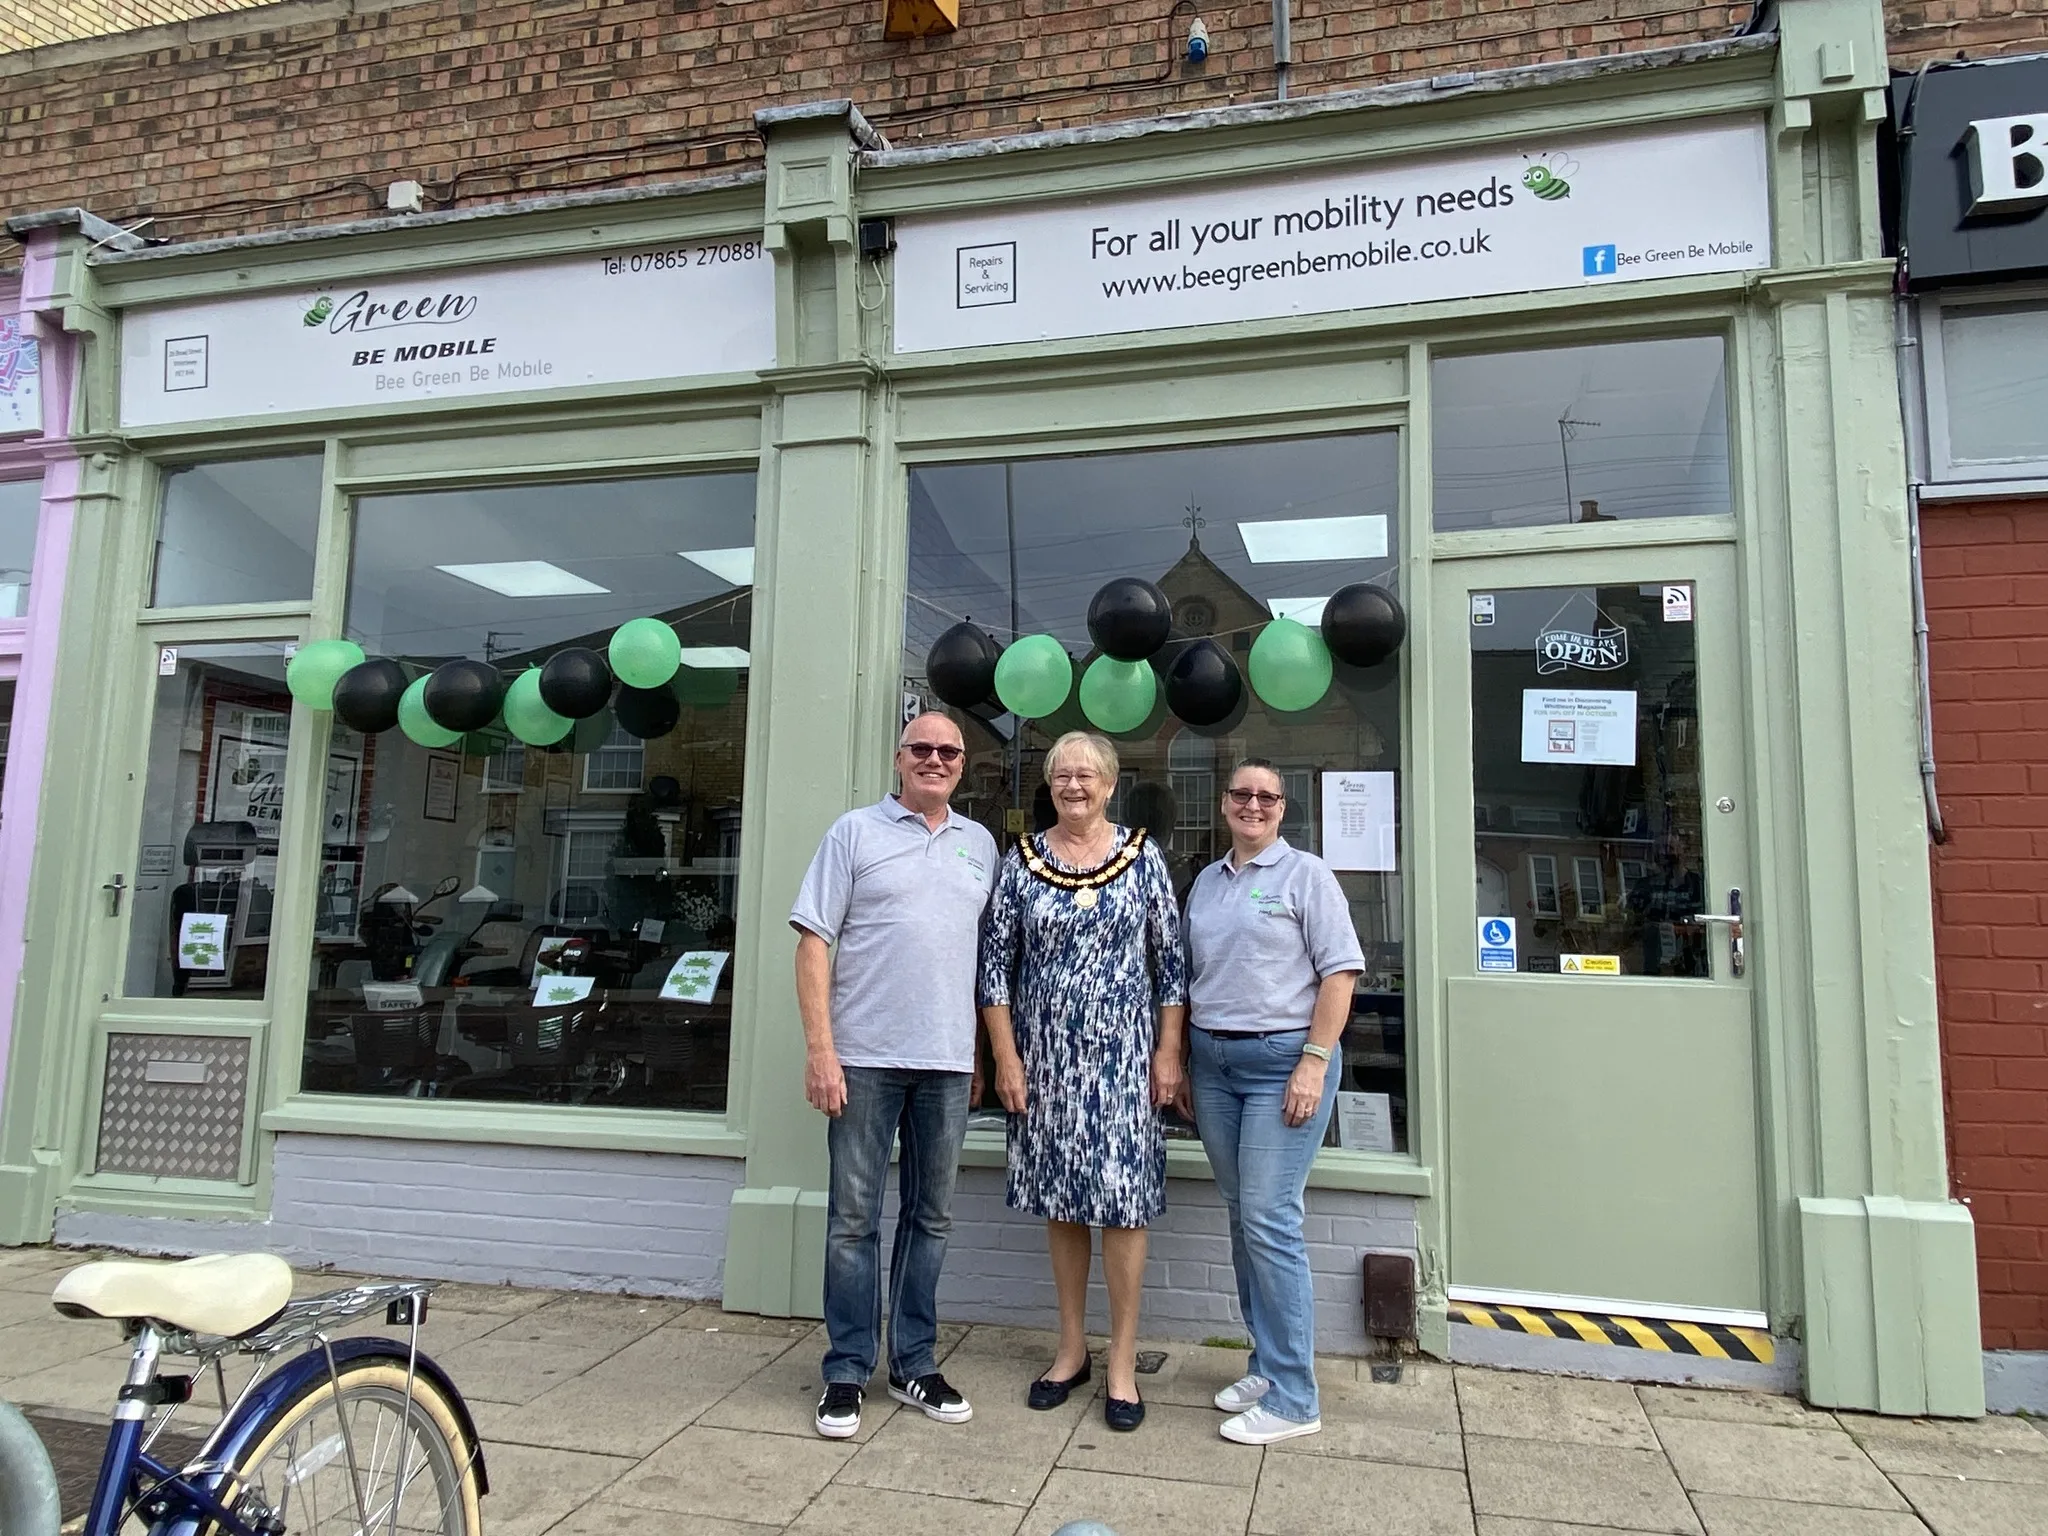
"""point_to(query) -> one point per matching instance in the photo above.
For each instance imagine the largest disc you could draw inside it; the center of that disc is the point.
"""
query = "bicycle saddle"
(224, 1294)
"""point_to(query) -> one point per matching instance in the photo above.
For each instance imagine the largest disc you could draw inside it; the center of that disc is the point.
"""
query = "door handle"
(1732, 918)
(116, 887)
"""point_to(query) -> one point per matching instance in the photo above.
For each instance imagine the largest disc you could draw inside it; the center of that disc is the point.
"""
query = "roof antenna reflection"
(1567, 433)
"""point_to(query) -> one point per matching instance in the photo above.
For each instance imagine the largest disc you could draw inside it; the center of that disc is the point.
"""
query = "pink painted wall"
(28, 646)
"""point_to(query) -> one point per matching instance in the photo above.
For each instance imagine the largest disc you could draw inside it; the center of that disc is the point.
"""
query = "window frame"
(1537, 884)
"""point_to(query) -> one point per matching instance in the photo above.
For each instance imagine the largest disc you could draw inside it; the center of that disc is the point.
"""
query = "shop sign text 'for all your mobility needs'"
(617, 317)
(1513, 219)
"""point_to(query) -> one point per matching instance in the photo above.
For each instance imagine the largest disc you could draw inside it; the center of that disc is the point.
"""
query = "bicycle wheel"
(304, 1467)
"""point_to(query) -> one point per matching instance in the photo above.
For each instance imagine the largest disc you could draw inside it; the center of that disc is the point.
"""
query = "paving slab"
(532, 1490)
(1999, 1450)
(1508, 1525)
(38, 1344)
(849, 1511)
(1138, 1506)
(24, 1307)
(1732, 1406)
(1955, 1506)
(1174, 1443)
(606, 1517)
(727, 1475)
(782, 1398)
(1769, 1461)
(1513, 1406)
(713, 1318)
(1312, 1496)
(1725, 1515)
(639, 1398)
(1002, 1456)
(1413, 1422)
(530, 1354)
(1610, 1485)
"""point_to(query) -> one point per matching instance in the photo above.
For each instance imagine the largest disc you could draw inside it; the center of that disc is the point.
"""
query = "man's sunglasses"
(945, 752)
(1264, 798)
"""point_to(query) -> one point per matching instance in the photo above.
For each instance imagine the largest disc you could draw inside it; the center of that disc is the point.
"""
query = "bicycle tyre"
(289, 1457)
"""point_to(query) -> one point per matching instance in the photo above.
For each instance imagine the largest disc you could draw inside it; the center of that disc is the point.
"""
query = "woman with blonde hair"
(1084, 998)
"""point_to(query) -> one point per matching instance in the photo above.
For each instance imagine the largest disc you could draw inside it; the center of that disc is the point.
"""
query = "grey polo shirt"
(901, 905)
(1262, 939)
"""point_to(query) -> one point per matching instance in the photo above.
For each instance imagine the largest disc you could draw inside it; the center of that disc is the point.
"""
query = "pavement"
(631, 1416)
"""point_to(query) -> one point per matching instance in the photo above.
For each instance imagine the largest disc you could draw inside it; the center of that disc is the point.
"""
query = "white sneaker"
(1242, 1393)
(1259, 1425)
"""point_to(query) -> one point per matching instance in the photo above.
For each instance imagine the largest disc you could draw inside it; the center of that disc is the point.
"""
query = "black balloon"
(1129, 619)
(1230, 722)
(1204, 685)
(961, 666)
(1364, 624)
(647, 712)
(576, 683)
(366, 695)
(463, 695)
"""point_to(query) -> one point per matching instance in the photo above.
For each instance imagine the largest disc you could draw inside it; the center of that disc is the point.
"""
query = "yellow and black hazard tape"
(1712, 1341)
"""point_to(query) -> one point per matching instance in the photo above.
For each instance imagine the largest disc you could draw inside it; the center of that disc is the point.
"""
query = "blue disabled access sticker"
(1496, 944)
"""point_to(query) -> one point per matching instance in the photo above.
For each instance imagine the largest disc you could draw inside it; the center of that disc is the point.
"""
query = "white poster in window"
(561, 991)
(1579, 725)
(202, 937)
(1365, 1122)
(245, 776)
(1358, 821)
(694, 977)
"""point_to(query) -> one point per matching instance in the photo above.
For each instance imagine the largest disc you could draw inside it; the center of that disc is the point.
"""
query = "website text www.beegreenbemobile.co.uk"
(1379, 253)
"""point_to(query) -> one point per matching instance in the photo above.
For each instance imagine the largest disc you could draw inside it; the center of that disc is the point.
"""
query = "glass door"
(1601, 1063)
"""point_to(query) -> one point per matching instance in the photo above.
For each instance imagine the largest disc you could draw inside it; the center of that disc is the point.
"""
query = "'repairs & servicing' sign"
(1509, 219)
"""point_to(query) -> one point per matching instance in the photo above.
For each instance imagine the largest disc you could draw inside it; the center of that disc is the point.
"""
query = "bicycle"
(353, 1436)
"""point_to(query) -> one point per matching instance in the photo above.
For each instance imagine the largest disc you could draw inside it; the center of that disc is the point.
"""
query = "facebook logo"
(1599, 261)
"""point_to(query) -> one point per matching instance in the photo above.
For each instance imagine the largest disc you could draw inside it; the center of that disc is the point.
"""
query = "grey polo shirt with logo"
(901, 905)
(1262, 939)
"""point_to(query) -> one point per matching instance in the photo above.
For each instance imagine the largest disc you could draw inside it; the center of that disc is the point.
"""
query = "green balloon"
(645, 653)
(317, 666)
(1118, 695)
(528, 717)
(705, 687)
(1290, 666)
(417, 724)
(1034, 676)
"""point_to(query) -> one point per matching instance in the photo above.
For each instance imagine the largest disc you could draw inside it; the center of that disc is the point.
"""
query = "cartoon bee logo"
(317, 315)
(1546, 176)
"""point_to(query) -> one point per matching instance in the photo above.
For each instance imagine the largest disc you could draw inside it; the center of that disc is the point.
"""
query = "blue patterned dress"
(1084, 985)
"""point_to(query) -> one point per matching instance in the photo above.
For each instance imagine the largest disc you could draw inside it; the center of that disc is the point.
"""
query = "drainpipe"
(1283, 48)
(1913, 411)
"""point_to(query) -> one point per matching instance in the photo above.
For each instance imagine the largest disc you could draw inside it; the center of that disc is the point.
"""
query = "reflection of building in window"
(618, 765)
(1191, 769)
(1632, 871)
(1543, 885)
(505, 770)
(586, 865)
(1589, 887)
(1298, 820)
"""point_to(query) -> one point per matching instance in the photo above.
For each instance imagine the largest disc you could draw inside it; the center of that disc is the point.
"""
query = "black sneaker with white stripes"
(933, 1396)
(839, 1410)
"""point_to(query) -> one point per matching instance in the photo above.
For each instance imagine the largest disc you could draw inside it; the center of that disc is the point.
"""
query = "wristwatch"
(1320, 1052)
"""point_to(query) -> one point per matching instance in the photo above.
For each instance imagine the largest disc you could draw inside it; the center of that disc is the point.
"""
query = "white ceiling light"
(524, 578)
(1305, 610)
(734, 567)
(1315, 538)
(706, 657)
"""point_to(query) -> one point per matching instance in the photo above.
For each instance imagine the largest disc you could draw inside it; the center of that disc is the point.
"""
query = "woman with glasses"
(1272, 958)
(1083, 995)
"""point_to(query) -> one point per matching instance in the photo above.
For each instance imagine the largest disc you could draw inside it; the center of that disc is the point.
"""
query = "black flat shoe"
(1047, 1393)
(1118, 1414)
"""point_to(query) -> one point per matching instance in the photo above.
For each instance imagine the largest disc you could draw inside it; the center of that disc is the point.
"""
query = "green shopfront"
(1585, 367)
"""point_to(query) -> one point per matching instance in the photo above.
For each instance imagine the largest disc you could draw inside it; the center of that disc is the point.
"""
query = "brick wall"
(1987, 597)
(31, 23)
(1979, 29)
(215, 132)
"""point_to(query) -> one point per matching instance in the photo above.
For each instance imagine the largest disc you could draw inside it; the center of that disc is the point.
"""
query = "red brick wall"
(1987, 599)
(1979, 29)
(485, 100)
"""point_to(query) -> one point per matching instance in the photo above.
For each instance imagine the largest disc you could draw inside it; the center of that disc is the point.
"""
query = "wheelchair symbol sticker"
(1497, 944)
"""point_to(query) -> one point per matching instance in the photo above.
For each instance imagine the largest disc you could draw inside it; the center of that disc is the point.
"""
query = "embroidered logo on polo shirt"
(1267, 903)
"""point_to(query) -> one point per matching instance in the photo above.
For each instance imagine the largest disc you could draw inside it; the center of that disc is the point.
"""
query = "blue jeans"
(930, 1110)
(1261, 1166)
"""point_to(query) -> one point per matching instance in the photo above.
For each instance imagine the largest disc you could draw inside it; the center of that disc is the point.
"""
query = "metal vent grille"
(173, 1104)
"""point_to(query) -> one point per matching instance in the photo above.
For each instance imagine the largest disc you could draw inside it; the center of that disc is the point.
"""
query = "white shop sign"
(1550, 213)
(617, 317)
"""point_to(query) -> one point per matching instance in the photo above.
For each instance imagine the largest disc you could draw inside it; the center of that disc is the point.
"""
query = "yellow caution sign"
(1589, 965)
(1711, 1341)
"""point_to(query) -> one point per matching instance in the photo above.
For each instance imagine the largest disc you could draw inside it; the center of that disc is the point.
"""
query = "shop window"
(20, 504)
(1993, 365)
(237, 532)
(199, 921)
(1233, 535)
(509, 922)
(1595, 434)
